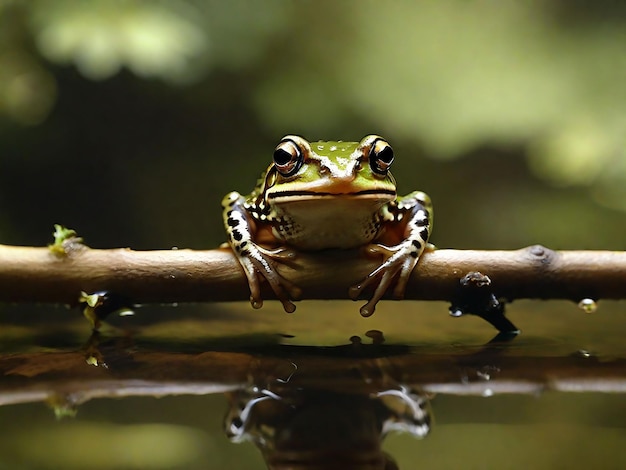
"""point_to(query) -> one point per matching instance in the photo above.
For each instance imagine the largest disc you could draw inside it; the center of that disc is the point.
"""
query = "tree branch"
(53, 275)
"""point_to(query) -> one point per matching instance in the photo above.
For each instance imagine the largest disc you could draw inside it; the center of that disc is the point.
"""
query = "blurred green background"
(128, 120)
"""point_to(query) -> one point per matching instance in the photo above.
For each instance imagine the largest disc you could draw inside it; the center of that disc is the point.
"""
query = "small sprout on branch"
(65, 239)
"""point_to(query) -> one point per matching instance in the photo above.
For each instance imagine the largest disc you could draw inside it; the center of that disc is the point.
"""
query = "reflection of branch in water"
(290, 400)
(134, 371)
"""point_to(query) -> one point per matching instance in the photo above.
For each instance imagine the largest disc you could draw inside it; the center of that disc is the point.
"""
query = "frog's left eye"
(381, 157)
(288, 158)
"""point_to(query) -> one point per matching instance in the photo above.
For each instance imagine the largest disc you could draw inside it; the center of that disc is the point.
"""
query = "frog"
(328, 195)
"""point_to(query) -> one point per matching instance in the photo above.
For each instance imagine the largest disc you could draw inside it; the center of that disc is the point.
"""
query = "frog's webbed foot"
(399, 263)
(260, 262)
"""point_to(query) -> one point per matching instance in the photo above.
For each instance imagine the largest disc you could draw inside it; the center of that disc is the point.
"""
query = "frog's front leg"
(255, 259)
(410, 218)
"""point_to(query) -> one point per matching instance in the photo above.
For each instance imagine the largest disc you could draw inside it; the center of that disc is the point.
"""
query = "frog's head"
(305, 170)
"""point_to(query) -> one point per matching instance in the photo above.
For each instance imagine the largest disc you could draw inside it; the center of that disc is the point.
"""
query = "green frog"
(321, 195)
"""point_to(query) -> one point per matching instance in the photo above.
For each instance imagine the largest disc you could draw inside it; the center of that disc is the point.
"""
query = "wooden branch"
(45, 275)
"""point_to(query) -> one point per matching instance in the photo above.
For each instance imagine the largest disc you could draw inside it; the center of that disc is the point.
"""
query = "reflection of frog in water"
(313, 429)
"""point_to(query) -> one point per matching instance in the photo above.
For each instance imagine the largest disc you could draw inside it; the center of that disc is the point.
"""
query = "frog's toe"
(368, 309)
(397, 265)
(384, 281)
(295, 292)
(282, 294)
(288, 305)
(280, 254)
(355, 291)
(403, 279)
(259, 265)
(253, 283)
(255, 292)
(287, 292)
(376, 249)
(284, 290)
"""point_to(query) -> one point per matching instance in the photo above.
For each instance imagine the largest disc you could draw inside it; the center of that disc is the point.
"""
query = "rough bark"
(43, 275)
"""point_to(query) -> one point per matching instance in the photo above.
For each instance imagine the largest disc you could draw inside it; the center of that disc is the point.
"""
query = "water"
(409, 385)
(588, 305)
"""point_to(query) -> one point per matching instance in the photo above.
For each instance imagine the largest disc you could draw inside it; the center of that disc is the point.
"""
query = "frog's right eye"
(288, 158)
(381, 157)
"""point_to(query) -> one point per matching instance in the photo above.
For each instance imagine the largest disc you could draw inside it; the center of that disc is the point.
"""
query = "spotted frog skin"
(321, 195)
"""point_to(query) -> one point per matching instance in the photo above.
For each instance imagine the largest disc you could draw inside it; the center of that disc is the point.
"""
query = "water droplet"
(456, 312)
(483, 375)
(584, 353)
(487, 392)
(125, 312)
(588, 305)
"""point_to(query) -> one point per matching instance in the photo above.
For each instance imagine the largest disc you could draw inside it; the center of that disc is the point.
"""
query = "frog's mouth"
(368, 193)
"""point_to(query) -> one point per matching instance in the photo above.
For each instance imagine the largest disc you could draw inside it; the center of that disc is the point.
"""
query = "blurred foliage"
(101, 37)
(177, 41)
(455, 75)
(540, 80)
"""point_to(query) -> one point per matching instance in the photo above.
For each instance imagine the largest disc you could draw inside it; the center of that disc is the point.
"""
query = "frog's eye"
(381, 157)
(288, 158)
